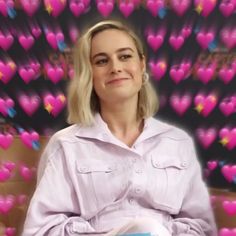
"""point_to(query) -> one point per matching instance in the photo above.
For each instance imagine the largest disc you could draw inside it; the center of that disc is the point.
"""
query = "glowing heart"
(158, 69)
(26, 73)
(177, 74)
(10, 231)
(74, 34)
(155, 41)
(54, 38)
(30, 6)
(26, 41)
(204, 104)
(29, 138)
(228, 137)
(77, 8)
(228, 37)
(5, 140)
(229, 207)
(204, 39)
(55, 7)
(6, 105)
(6, 203)
(176, 41)
(180, 6)
(29, 104)
(54, 105)
(206, 136)
(7, 71)
(227, 107)
(54, 73)
(5, 5)
(27, 173)
(205, 74)
(5, 174)
(211, 165)
(6, 41)
(36, 31)
(126, 8)
(229, 172)
(154, 6)
(226, 74)
(180, 103)
(205, 7)
(227, 232)
(105, 8)
(186, 31)
(227, 8)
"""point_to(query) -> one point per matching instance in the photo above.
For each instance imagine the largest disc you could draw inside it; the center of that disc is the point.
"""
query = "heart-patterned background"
(191, 56)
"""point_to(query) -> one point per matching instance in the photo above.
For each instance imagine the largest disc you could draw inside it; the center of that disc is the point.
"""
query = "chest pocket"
(169, 176)
(100, 182)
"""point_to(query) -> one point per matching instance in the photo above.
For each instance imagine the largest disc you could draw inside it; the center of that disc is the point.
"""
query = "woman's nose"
(116, 66)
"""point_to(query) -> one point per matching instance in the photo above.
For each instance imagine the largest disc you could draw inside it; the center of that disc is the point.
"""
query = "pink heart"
(205, 104)
(204, 39)
(5, 140)
(27, 74)
(54, 38)
(206, 6)
(154, 6)
(55, 74)
(55, 7)
(9, 165)
(228, 37)
(77, 8)
(10, 231)
(5, 174)
(6, 41)
(126, 8)
(36, 31)
(229, 207)
(176, 41)
(158, 69)
(206, 136)
(229, 172)
(155, 41)
(6, 105)
(227, 107)
(205, 74)
(105, 8)
(30, 6)
(177, 74)
(5, 5)
(227, 232)
(26, 41)
(180, 6)
(29, 104)
(180, 104)
(22, 199)
(227, 8)
(28, 138)
(226, 74)
(186, 31)
(229, 136)
(6, 203)
(212, 165)
(7, 71)
(54, 105)
(27, 173)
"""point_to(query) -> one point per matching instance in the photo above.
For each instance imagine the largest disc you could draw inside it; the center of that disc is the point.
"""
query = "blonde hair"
(83, 102)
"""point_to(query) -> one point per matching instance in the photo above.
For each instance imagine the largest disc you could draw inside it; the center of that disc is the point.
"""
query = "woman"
(117, 170)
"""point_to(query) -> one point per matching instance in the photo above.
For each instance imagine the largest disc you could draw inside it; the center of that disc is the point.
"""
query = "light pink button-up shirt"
(91, 182)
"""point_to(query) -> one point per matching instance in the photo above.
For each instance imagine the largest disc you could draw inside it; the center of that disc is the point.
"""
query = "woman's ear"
(143, 63)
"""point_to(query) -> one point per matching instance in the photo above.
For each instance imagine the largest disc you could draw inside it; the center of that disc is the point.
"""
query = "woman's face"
(116, 66)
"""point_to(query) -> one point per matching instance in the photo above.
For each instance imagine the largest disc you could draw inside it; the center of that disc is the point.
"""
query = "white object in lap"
(141, 225)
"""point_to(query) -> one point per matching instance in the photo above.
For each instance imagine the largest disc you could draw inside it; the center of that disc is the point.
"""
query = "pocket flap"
(85, 167)
(166, 162)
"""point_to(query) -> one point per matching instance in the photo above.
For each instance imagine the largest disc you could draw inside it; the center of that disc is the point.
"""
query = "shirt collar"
(100, 131)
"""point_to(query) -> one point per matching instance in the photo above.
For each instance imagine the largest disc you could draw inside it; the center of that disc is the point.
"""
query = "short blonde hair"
(83, 102)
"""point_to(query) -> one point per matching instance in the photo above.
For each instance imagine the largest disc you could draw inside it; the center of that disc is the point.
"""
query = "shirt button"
(131, 201)
(183, 164)
(138, 190)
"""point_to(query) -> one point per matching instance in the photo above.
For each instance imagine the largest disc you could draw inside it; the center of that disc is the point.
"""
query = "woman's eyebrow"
(118, 50)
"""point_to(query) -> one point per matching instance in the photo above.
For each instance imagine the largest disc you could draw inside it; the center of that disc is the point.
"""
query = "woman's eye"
(126, 56)
(101, 62)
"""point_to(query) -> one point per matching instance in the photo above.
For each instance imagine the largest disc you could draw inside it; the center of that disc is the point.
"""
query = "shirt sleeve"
(196, 216)
(54, 208)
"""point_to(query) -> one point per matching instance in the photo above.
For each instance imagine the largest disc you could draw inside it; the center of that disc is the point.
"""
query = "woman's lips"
(113, 81)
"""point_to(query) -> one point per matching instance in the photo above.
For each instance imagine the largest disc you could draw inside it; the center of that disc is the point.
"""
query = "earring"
(145, 77)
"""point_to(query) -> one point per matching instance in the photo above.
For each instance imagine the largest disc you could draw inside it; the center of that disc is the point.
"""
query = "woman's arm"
(54, 208)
